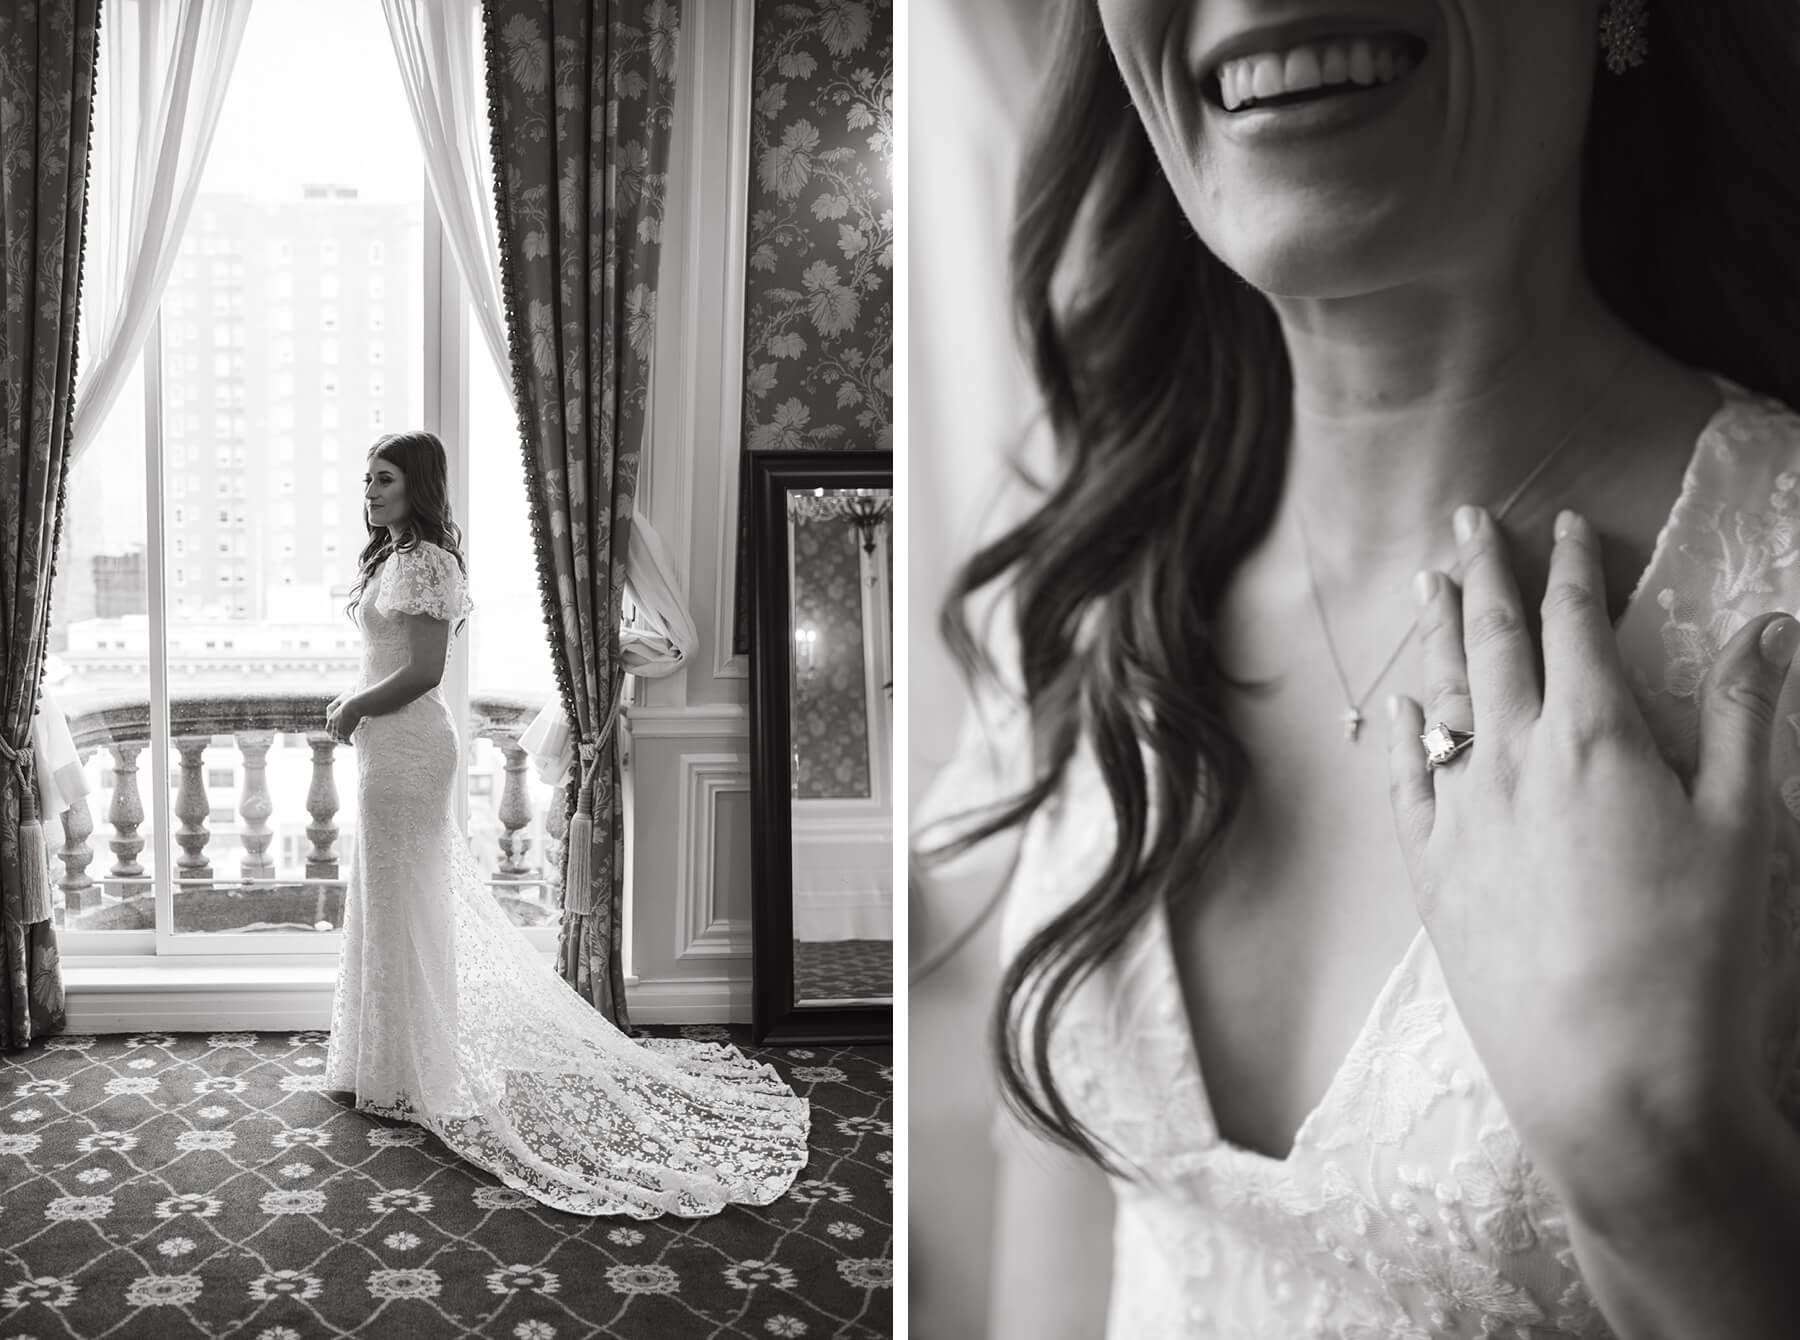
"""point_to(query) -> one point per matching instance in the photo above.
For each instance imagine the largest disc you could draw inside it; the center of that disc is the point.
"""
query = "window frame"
(177, 956)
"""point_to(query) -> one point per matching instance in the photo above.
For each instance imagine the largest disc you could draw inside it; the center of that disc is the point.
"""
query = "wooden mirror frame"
(774, 1017)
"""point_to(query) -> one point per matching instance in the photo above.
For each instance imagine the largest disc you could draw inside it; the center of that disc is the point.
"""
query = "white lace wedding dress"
(445, 1015)
(1407, 1208)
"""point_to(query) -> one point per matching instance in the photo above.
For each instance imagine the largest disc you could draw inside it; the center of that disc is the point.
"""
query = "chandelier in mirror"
(866, 509)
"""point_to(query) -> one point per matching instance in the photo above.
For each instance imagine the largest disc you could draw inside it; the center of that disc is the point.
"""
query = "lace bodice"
(423, 580)
(1407, 1207)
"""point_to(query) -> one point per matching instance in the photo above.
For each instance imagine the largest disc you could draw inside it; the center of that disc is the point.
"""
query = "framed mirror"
(821, 745)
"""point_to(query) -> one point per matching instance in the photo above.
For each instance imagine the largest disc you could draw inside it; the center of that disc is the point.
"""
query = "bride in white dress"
(444, 1014)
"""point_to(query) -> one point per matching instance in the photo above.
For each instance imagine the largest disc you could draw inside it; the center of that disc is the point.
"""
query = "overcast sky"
(284, 125)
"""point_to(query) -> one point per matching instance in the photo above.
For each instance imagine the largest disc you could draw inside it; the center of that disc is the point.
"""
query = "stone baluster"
(80, 893)
(322, 804)
(125, 814)
(556, 831)
(254, 805)
(515, 813)
(192, 808)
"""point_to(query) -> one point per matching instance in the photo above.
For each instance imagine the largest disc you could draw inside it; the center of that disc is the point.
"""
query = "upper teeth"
(1268, 74)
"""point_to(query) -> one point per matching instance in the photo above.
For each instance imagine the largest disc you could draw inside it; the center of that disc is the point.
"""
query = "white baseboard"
(690, 1000)
(197, 1007)
(107, 1001)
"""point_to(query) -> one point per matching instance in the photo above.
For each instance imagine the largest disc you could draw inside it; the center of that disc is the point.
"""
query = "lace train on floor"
(514, 1071)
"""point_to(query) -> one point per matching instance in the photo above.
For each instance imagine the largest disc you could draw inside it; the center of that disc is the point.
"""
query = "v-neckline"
(1731, 398)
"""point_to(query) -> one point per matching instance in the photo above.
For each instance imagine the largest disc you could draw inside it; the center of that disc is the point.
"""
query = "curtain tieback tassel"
(578, 879)
(34, 854)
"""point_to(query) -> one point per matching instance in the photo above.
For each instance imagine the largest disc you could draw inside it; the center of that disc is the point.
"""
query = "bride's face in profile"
(1332, 148)
(384, 493)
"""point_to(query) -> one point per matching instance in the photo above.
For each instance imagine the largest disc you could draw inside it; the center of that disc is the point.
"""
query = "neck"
(1410, 402)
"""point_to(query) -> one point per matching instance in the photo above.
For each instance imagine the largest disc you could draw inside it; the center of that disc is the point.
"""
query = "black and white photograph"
(1355, 829)
(448, 535)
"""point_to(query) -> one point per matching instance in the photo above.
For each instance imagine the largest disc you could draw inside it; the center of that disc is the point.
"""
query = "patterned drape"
(582, 99)
(47, 65)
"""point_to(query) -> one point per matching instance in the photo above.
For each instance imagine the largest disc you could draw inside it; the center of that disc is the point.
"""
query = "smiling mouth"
(1309, 71)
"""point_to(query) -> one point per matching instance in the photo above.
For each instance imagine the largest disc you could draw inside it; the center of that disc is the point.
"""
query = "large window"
(194, 647)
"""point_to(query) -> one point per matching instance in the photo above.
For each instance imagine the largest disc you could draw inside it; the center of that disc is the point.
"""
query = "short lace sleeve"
(426, 580)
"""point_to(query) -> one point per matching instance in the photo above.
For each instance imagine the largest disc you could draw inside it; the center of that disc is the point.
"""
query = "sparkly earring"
(1622, 27)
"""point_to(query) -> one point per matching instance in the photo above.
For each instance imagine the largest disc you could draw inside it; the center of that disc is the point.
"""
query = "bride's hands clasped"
(1598, 922)
(343, 717)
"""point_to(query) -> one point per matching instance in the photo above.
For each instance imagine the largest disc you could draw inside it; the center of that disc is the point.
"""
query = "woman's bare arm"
(1052, 1243)
(427, 641)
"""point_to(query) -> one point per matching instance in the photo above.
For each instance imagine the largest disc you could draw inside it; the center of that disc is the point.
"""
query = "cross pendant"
(1353, 720)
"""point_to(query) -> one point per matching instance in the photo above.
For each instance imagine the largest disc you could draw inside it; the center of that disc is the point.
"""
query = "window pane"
(97, 672)
(509, 661)
(306, 201)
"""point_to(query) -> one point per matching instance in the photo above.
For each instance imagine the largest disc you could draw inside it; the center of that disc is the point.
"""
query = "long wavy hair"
(421, 460)
(1166, 382)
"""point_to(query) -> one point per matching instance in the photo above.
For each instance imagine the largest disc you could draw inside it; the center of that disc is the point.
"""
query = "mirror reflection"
(841, 694)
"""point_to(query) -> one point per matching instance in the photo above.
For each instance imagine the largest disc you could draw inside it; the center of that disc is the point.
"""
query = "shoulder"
(1748, 457)
(423, 558)
(424, 578)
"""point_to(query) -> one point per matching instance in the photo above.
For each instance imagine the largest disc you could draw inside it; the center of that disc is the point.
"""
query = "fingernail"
(1463, 523)
(1779, 642)
(1565, 522)
(1393, 706)
(1425, 586)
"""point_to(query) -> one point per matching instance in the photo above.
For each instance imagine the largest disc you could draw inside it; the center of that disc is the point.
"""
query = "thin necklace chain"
(1353, 717)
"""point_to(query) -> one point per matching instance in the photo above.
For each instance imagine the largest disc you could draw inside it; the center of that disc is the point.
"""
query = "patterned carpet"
(164, 1186)
(843, 969)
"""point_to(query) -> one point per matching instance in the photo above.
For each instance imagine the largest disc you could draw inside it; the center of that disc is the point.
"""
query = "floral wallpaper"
(819, 278)
(819, 299)
(831, 704)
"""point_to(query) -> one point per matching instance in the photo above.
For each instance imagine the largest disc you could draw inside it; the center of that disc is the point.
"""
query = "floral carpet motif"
(843, 969)
(166, 1186)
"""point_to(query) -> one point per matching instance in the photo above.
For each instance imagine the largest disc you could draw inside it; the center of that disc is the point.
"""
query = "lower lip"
(1318, 116)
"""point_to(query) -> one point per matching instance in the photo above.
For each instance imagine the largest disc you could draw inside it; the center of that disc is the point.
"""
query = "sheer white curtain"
(435, 46)
(164, 67)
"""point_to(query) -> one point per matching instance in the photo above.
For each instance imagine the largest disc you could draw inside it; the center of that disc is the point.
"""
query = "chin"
(1322, 253)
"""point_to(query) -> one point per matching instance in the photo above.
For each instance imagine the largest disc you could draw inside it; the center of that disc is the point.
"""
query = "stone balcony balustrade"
(119, 725)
